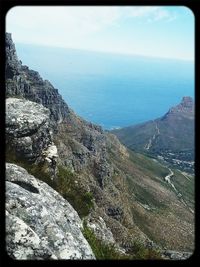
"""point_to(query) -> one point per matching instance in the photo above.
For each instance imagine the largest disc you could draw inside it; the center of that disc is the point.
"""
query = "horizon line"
(108, 52)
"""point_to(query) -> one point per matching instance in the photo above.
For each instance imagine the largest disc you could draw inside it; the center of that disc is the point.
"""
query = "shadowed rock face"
(40, 224)
(23, 82)
(13, 65)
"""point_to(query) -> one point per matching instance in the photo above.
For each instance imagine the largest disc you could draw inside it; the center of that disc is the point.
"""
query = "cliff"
(122, 196)
(88, 139)
(23, 82)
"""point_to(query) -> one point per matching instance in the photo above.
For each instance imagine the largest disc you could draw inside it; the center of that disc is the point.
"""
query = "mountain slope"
(92, 170)
(170, 137)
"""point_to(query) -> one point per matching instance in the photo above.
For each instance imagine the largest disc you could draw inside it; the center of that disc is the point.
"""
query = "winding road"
(168, 180)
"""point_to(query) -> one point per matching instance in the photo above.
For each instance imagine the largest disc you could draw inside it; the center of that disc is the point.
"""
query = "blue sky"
(156, 31)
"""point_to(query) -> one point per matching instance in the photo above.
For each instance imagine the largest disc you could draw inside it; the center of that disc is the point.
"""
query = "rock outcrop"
(99, 227)
(176, 255)
(28, 132)
(40, 224)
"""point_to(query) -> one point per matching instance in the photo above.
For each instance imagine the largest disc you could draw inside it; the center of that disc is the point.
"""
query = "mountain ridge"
(170, 136)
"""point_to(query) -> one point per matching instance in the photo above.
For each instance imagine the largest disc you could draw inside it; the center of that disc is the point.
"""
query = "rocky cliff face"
(23, 82)
(122, 195)
(41, 129)
(40, 224)
(87, 139)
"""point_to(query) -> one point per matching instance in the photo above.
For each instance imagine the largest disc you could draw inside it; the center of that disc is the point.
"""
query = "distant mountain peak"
(186, 107)
(187, 102)
(170, 136)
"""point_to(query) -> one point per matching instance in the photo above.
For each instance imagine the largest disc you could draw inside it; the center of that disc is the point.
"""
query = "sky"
(155, 31)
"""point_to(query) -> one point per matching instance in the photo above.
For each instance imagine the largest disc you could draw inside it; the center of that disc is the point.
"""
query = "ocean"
(112, 90)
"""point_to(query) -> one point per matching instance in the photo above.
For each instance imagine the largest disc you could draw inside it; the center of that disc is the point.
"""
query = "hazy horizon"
(107, 52)
(156, 31)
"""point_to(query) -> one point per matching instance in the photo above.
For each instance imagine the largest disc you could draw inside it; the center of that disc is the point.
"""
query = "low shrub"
(104, 251)
(65, 184)
(101, 250)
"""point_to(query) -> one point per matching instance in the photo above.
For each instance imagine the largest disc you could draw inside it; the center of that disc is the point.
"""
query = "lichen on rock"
(40, 225)
(27, 128)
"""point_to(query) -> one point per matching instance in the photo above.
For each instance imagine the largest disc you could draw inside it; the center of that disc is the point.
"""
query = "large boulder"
(27, 129)
(40, 224)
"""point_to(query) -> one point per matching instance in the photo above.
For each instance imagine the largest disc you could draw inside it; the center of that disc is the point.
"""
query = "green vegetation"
(138, 251)
(151, 167)
(185, 185)
(67, 187)
(103, 251)
(148, 166)
(144, 196)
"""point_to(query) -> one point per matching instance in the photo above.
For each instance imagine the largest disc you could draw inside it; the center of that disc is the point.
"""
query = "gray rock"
(115, 212)
(13, 65)
(40, 224)
(83, 148)
(99, 227)
(177, 255)
(28, 131)
(23, 117)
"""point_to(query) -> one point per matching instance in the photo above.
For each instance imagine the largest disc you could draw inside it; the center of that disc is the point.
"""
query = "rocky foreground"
(40, 224)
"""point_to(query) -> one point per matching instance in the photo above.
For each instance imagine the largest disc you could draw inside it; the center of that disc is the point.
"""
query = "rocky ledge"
(40, 224)
(23, 117)
(27, 129)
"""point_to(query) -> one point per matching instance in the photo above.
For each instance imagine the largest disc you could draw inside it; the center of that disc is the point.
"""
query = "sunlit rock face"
(27, 128)
(40, 224)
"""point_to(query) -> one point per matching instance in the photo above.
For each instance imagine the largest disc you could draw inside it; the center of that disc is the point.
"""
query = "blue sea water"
(109, 89)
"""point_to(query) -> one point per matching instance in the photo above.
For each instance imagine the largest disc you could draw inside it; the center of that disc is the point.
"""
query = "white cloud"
(73, 25)
(151, 13)
(77, 20)
(140, 11)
